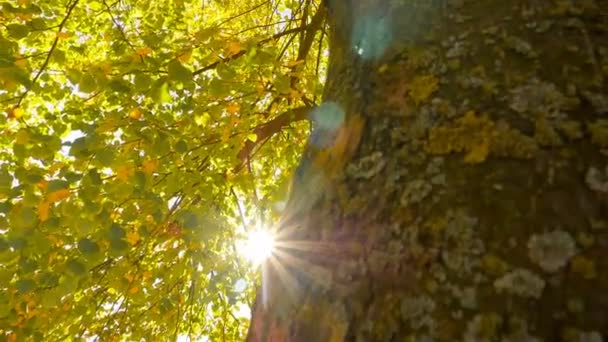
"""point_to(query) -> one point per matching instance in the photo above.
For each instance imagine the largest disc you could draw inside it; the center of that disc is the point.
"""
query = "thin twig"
(48, 56)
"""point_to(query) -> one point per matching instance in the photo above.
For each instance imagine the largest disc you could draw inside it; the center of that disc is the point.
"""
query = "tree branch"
(242, 52)
(270, 128)
(50, 53)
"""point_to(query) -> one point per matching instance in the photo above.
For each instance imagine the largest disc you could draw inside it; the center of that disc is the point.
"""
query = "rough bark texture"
(473, 203)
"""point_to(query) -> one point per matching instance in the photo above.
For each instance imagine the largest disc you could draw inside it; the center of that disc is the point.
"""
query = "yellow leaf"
(252, 137)
(233, 108)
(132, 238)
(21, 63)
(294, 94)
(143, 51)
(135, 113)
(15, 113)
(134, 290)
(43, 210)
(22, 137)
(233, 47)
(129, 277)
(149, 166)
(64, 35)
(124, 172)
(226, 134)
(146, 275)
(105, 68)
(184, 57)
(58, 195)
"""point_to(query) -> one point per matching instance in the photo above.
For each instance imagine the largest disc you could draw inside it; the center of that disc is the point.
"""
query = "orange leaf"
(58, 195)
(43, 210)
(149, 166)
(132, 238)
(233, 108)
(42, 185)
(233, 48)
(143, 51)
(123, 172)
(135, 113)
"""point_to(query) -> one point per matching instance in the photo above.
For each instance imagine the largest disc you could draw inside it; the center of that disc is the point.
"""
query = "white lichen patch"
(521, 46)
(414, 192)
(597, 180)
(367, 167)
(417, 311)
(551, 251)
(521, 282)
(483, 327)
(537, 97)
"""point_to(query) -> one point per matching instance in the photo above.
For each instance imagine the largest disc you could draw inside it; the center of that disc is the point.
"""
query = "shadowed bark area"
(473, 203)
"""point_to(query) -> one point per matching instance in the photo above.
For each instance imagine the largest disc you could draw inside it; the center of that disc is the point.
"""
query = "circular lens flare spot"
(258, 247)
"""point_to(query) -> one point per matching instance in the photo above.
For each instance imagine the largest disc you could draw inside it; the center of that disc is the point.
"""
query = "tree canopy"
(140, 141)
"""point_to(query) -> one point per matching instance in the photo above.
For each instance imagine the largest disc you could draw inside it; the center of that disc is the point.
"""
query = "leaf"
(233, 48)
(252, 137)
(88, 84)
(124, 172)
(135, 114)
(233, 108)
(149, 166)
(178, 72)
(143, 51)
(15, 113)
(282, 84)
(88, 246)
(189, 220)
(43, 211)
(76, 267)
(58, 195)
(132, 238)
(25, 285)
(17, 31)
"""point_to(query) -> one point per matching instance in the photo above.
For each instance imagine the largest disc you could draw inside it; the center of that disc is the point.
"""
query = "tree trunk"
(465, 194)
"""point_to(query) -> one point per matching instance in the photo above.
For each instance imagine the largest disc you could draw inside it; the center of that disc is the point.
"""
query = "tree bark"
(465, 194)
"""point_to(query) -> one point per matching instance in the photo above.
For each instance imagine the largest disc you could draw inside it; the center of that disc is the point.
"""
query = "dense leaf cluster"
(132, 132)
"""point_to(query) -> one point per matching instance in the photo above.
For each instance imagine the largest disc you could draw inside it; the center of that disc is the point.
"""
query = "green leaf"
(17, 31)
(281, 83)
(76, 267)
(189, 220)
(181, 146)
(117, 232)
(178, 72)
(88, 84)
(88, 246)
(105, 157)
(25, 285)
(38, 24)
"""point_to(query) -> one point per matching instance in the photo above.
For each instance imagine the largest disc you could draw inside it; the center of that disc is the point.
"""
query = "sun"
(258, 246)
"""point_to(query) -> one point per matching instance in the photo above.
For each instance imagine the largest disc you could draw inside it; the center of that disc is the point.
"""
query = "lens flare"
(258, 246)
